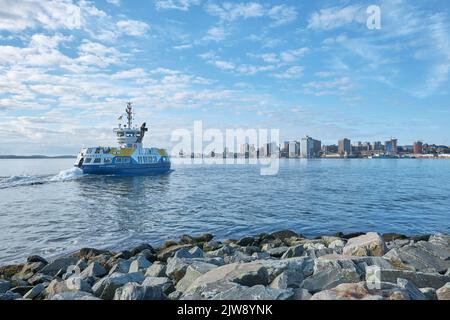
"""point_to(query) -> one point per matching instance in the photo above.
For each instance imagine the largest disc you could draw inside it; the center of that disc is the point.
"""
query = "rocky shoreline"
(278, 266)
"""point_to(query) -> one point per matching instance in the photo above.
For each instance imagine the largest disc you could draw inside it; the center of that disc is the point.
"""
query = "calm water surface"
(48, 210)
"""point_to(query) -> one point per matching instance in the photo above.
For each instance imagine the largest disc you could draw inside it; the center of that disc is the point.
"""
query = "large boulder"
(443, 293)
(139, 264)
(164, 283)
(74, 295)
(106, 287)
(56, 265)
(157, 269)
(346, 291)
(413, 292)
(419, 279)
(170, 251)
(422, 256)
(135, 291)
(258, 292)
(369, 244)
(226, 277)
(76, 283)
(94, 269)
(295, 251)
(288, 279)
(34, 292)
(329, 274)
(4, 286)
(193, 271)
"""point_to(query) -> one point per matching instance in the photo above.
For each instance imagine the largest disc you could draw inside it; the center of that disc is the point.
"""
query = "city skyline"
(67, 69)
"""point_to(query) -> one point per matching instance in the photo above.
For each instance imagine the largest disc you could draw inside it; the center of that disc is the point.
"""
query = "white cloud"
(332, 87)
(132, 27)
(114, 2)
(182, 5)
(336, 17)
(16, 15)
(231, 11)
(291, 73)
(224, 65)
(130, 74)
(282, 14)
(217, 33)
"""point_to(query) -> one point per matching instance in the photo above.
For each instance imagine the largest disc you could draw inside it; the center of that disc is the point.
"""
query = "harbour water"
(49, 208)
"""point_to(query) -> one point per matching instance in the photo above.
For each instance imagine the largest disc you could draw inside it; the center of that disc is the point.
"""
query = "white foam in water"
(69, 174)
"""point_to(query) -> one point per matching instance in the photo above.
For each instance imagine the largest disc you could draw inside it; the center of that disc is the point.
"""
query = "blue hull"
(126, 170)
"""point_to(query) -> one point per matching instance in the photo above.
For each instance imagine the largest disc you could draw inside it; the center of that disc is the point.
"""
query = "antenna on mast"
(129, 114)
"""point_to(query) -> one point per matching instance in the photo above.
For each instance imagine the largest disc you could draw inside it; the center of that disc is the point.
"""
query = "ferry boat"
(129, 158)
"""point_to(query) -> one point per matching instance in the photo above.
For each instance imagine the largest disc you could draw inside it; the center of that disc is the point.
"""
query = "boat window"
(118, 160)
(97, 160)
(89, 150)
(107, 160)
(126, 159)
(120, 134)
(87, 160)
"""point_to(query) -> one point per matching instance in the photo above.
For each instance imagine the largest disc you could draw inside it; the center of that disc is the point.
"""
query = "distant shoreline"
(37, 157)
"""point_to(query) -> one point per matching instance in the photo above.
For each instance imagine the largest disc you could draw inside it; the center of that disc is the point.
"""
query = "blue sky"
(304, 67)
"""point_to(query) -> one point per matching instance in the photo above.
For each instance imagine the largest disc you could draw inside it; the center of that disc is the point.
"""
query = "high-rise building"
(294, 149)
(417, 147)
(344, 146)
(310, 148)
(391, 147)
(377, 146)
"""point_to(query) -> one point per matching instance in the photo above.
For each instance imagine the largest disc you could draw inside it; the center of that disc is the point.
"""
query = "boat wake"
(18, 181)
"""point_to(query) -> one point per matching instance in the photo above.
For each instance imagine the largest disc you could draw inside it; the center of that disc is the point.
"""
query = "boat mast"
(129, 114)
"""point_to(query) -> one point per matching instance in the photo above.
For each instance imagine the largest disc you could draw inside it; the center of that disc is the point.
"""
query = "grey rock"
(164, 283)
(413, 292)
(74, 295)
(196, 252)
(238, 256)
(39, 278)
(8, 295)
(288, 279)
(211, 246)
(193, 271)
(258, 292)
(4, 286)
(106, 287)
(250, 250)
(421, 256)
(176, 268)
(419, 279)
(122, 266)
(443, 293)
(94, 269)
(304, 265)
(339, 243)
(369, 244)
(361, 263)
(34, 292)
(346, 291)
(134, 291)
(21, 290)
(429, 293)
(329, 274)
(176, 295)
(283, 234)
(36, 258)
(89, 253)
(317, 253)
(246, 241)
(82, 264)
(55, 266)
(248, 274)
(222, 251)
(139, 264)
(295, 251)
(142, 247)
(169, 252)
(301, 294)
(157, 269)
(260, 255)
(277, 252)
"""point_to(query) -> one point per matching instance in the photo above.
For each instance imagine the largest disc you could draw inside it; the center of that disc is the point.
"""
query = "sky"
(67, 69)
